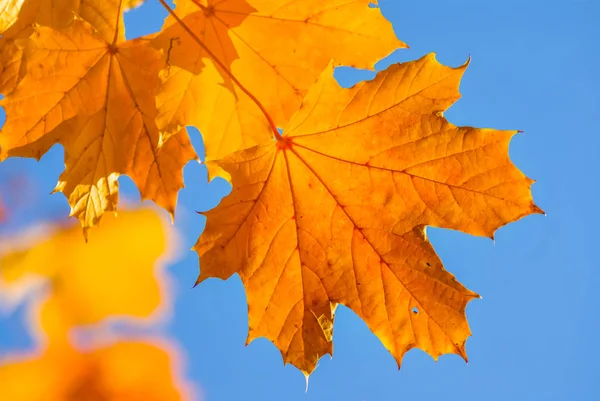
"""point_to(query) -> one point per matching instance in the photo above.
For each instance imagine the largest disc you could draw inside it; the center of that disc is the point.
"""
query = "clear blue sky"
(535, 66)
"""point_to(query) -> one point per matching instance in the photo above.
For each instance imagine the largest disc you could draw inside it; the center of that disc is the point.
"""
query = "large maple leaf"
(230, 58)
(334, 212)
(93, 92)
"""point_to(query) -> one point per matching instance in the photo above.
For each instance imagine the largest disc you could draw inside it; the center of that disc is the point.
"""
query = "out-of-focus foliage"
(89, 283)
(124, 371)
(81, 289)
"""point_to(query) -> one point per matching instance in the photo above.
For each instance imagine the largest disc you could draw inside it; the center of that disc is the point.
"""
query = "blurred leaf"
(125, 371)
(115, 274)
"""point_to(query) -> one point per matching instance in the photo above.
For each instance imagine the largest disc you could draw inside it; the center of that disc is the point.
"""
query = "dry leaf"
(94, 93)
(334, 212)
(273, 49)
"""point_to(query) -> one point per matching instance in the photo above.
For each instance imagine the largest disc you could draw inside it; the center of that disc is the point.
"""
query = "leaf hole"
(415, 310)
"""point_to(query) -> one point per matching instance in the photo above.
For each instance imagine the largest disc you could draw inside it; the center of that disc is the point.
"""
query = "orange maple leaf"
(334, 212)
(331, 212)
(233, 62)
(93, 92)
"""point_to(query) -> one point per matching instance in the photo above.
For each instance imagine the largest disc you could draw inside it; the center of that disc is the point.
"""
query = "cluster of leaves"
(331, 211)
(76, 284)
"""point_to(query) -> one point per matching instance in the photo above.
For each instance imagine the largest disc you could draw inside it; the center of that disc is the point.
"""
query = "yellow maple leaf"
(132, 371)
(224, 56)
(88, 89)
(20, 17)
(87, 284)
(24, 15)
(60, 13)
(11, 65)
(334, 212)
(105, 16)
(16, 23)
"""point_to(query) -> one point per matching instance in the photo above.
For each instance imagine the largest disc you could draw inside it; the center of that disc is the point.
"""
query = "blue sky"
(534, 68)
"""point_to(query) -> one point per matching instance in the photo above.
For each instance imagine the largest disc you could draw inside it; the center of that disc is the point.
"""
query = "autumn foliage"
(332, 188)
(80, 291)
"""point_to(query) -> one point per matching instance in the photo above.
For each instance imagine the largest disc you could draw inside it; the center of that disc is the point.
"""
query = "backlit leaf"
(97, 98)
(274, 49)
(334, 212)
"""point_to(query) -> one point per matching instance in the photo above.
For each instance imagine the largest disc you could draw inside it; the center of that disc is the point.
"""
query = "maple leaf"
(132, 370)
(232, 63)
(15, 23)
(83, 288)
(21, 17)
(11, 64)
(17, 14)
(93, 92)
(334, 212)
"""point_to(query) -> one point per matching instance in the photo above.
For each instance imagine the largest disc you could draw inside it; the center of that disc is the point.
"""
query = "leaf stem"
(223, 67)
